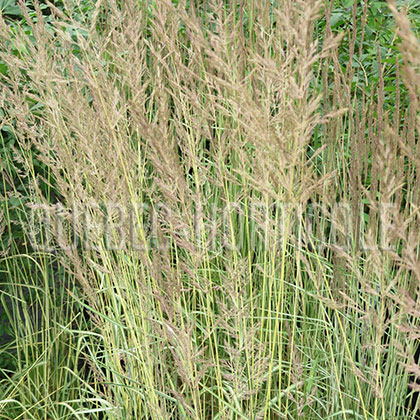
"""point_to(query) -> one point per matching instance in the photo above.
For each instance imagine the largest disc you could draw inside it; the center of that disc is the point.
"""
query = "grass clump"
(217, 222)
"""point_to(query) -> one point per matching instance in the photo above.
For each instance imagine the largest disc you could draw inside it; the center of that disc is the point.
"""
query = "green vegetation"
(210, 210)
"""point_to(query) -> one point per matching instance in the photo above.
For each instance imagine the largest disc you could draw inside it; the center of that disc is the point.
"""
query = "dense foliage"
(209, 209)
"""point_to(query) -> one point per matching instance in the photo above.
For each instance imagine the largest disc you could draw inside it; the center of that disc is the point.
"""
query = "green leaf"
(336, 19)
(9, 7)
(3, 68)
(348, 3)
(8, 129)
(14, 201)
